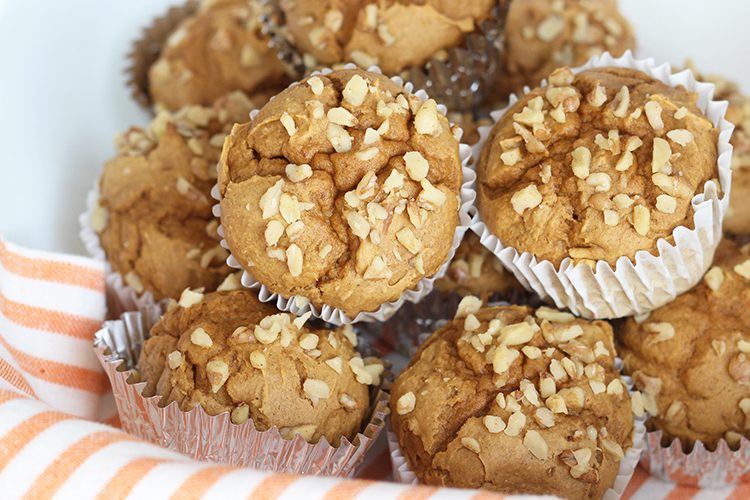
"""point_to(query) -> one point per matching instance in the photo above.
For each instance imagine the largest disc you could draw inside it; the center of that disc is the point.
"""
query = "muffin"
(154, 215)
(543, 35)
(475, 270)
(228, 352)
(595, 166)
(737, 221)
(391, 35)
(691, 358)
(218, 50)
(517, 401)
(344, 190)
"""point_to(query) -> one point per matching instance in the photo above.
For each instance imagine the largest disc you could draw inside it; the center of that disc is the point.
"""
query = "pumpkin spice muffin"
(515, 400)
(343, 190)
(218, 50)
(475, 270)
(228, 352)
(691, 358)
(391, 35)
(595, 166)
(154, 212)
(543, 35)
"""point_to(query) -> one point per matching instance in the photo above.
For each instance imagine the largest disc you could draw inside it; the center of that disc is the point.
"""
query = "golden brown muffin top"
(228, 352)
(474, 270)
(515, 400)
(390, 34)
(154, 214)
(596, 166)
(691, 358)
(542, 35)
(218, 50)
(343, 190)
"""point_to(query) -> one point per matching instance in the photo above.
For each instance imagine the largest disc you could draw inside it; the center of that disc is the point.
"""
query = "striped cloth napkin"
(58, 421)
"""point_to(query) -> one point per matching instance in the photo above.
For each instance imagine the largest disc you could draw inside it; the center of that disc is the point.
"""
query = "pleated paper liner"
(147, 49)
(333, 315)
(649, 281)
(402, 472)
(201, 436)
(699, 467)
(461, 78)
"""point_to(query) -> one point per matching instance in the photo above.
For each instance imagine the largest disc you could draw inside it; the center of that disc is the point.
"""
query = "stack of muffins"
(253, 217)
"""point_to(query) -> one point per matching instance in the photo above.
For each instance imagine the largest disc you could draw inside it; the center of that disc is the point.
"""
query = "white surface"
(63, 98)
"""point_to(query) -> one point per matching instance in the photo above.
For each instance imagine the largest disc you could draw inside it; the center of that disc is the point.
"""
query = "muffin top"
(154, 214)
(542, 35)
(226, 351)
(515, 400)
(218, 50)
(343, 190)
(595, 166)
(737, 220)
(691, 358)
(475, 270)
(391, 35)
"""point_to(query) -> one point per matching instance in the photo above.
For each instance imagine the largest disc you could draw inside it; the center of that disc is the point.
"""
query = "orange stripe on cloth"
(639, 479)
(47, 270)
(418, 493)
(59, 373)
(15, 379)
(198, 484)
(7, 395)
(127, 478)
(22, 434)
(379, 468)
(48, 320)
(682, 493)
(272, 487)
(347, 489)
(487, 495)
(55, 475)
(741, 492)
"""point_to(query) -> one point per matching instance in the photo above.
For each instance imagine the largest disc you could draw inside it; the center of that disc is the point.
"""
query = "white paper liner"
(300, 305)
(121, 297)
(402, 473)
(215, 438)
(653, 280)
(700, 468)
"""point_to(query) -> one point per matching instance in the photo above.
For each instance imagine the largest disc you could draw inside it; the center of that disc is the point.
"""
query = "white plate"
(62, 94)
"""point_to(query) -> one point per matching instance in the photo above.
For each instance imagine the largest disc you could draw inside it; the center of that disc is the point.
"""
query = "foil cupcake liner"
(653, 280)
(402, 472)
(701, 468)
(147, 49)
(300, 305)
(120, 296)
(462, 79)
(201, 436)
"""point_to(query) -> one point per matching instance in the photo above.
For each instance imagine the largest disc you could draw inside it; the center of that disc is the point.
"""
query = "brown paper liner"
(462, 80)
(147, 49)
(201, 436)
(700, 467)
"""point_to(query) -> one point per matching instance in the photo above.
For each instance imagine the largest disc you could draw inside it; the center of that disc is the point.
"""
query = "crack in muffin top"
(595, 166)
(344, 189)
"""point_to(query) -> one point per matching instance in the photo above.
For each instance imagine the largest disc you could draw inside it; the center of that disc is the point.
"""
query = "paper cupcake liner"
(653, 280)
(147, 49)
(201, 436)
(402, 472)
(120, 296)
(700, 467)
(462, 80)
(300, 305)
